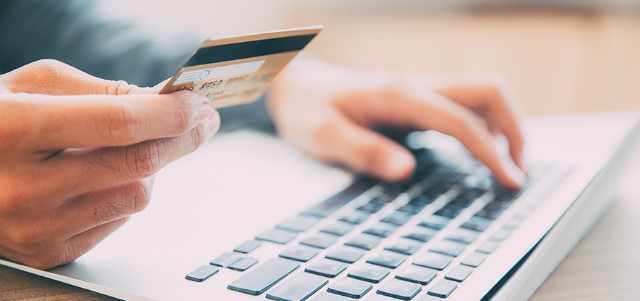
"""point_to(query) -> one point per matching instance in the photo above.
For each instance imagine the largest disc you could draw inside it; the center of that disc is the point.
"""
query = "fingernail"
(516, 174)
(204, 109)
(399, 165)
(212, 124)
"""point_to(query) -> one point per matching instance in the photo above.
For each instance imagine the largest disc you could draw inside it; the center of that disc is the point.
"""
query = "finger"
(423, 110)
(87, 170)
(495, 100)
(83, 242)
(97, 208)
(58, 122)
(62, 252)
(365, 150)
(56, 78)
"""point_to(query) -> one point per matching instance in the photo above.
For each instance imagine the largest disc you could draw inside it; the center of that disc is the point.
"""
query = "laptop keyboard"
(410, 237)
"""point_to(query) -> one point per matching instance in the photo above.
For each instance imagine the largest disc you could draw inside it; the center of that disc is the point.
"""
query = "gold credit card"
(237, 70)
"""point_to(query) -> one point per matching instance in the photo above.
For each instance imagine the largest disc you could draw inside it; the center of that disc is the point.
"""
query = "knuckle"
(121, 125)
(197, 137)
(144, 159)
(466, 123)
(325, 132)
(182, 116)
(118, 87)
(49, 67)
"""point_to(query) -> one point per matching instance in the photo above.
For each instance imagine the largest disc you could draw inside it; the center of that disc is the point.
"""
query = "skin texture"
(78, 153)
(77, 156)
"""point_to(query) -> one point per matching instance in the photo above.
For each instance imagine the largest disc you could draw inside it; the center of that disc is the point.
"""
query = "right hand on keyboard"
(329, 112)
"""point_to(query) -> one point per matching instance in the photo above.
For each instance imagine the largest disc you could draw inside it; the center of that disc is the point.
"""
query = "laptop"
(248, 217)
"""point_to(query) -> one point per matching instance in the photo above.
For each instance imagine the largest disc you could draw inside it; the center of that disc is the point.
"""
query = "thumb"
(53, 77)
(369, 152)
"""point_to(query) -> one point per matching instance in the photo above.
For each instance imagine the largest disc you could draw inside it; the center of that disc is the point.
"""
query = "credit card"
(237, 70)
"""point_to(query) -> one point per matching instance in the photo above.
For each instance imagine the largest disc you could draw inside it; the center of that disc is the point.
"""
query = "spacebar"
(263, 277)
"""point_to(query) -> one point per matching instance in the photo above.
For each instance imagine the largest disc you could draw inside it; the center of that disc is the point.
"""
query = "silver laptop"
(248, 217)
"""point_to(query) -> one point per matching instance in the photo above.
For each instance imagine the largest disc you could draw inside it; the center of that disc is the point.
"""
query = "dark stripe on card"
(230, 52)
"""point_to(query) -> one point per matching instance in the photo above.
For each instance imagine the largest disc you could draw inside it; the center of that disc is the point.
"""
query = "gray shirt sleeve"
(77, 33)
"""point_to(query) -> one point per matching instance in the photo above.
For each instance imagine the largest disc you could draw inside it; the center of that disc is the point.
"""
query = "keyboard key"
(405, 247)
(332, 204)
(399, 289)
(381, 230)
(462, 235)
(474, 259)
(477, 223)
(324, 296)
(488, 246)
(243, 264)
(319, 240)
(326, 268)
(263, 277)
(417, 274)
(449, 211)
(356, 217)
(459, 203)
(345, 254)
(202, 273)
(390, 193)
(299, 253)
(276, 236)
(369, 273)
(363, 241)
(489, 213)
(397, 218)
(387, 260)
(248, 246)
(372, 206)
(298, 287)
(416, 205)
(226, 259)
(421, 234)
(443, 288)
(338, 228)
(349, 287)
(434, 261)
(298, 223)
(435, 222)
(459, 273)
(448, 248)
(436, 191)
(429, 298)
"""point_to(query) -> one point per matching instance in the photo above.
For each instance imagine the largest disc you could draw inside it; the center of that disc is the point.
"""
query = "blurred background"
(561, 56)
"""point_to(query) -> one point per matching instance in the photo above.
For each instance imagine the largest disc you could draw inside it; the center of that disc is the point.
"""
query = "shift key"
(263, 277)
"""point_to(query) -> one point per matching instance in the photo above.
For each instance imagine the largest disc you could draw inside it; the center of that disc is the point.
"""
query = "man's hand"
(77, 154)
(329, 111)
